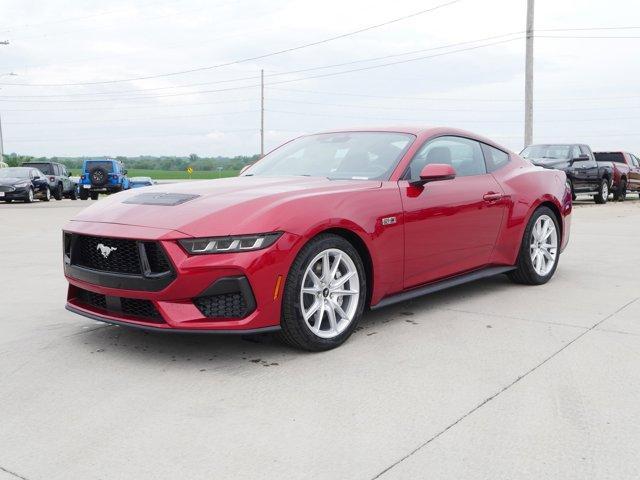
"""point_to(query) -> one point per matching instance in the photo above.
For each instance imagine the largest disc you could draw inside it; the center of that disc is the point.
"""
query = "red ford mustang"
(315, 232)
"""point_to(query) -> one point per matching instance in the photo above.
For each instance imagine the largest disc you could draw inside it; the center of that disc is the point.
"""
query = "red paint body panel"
(439, 230)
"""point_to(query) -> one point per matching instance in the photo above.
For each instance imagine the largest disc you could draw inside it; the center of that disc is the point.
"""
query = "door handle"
(492, 196)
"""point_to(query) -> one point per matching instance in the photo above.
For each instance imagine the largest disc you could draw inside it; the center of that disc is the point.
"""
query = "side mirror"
(124, 172)
(244, 169)
(435, 172)
(581, 158)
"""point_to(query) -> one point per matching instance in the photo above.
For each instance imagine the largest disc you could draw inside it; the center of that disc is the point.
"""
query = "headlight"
(236, 243)
(22, 184)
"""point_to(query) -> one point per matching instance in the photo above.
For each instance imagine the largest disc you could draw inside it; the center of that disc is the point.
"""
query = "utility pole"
(261, 113)
(528, 87)
(1, 143)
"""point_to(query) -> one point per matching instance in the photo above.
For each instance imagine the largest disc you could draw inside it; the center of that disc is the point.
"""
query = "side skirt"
(441, 285)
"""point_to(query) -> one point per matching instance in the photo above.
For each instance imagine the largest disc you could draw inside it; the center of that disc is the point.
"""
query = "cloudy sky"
(102, 78)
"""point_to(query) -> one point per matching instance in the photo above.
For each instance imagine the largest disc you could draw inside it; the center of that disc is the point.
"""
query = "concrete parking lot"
(489, 381)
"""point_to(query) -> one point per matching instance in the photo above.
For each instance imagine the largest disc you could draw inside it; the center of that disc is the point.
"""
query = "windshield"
(107, 166)
(557, 152)
(15, 172)
(342, 155)
(43, 167)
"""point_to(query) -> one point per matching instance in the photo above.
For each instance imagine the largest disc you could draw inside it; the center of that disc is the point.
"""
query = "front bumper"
(236, 292)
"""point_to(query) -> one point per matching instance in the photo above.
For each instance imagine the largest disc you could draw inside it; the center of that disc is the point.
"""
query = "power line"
(258, 57)
(279, 74)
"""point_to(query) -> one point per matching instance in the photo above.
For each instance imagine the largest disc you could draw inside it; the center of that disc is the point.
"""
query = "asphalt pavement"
(486, 381)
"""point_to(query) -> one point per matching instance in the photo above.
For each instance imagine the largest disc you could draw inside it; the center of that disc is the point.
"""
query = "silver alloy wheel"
(605, 189)
(30, 194)
(544, 245)
(48, 193)
(330, 293)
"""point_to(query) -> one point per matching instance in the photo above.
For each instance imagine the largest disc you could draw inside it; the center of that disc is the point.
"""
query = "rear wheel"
(94, 195)
(621, 193)
(83, 194)
(603, 192)
(324, 294)
(74, 194)
(540, 249)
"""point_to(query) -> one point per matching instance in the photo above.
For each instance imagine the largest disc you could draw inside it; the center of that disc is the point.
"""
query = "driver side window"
(463, 154)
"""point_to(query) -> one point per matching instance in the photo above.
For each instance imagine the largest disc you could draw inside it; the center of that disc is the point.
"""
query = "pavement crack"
(12, 473)
(503, 389)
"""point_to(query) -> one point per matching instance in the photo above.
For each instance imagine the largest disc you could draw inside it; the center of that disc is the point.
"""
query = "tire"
(84, 194)
(29, 197)
(526, 271)
(94, 195)
(47, 195)
(603, 192)
(298, 332)
(57, 192)
(573, 194)
(8, 200)
(74, 194)
(98, 177)
(621, 193)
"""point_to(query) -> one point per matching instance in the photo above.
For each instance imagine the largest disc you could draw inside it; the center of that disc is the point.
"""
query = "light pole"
(10, 74)
(528, 73)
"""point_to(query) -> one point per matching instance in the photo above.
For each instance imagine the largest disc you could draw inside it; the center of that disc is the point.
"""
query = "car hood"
(12, 180)
(228, 206)
(550, 162)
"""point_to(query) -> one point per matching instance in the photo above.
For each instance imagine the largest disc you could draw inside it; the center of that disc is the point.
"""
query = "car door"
(450, 226)
(634, 173)
(591, 169)
(578, 170)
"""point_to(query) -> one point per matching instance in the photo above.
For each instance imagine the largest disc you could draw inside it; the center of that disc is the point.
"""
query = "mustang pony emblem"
(104, 250)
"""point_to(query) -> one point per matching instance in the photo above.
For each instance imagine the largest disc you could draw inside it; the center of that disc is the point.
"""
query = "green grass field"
(175, 175)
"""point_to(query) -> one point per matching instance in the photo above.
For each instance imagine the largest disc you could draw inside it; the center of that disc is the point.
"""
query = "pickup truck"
(584, 174)
(626, 172)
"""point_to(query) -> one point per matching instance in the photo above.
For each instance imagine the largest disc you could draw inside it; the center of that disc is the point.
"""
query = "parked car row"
(597, 174)
(46, 180)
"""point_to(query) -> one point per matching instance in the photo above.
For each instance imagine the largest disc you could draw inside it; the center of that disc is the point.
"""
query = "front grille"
(118, 306)
(158, 261)
(139, 308)
(122, 256)
(96, 300)
(6, 188)
(226, 305)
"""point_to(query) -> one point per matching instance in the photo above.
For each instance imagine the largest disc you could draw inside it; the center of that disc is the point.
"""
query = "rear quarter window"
(617, 157)
(494, 158)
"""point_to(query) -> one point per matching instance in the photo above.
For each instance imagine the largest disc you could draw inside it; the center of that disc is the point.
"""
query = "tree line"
(147, 162)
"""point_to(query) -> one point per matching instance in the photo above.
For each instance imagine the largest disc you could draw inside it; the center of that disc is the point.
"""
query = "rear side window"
(45, 168)
(585, 150)
(494, 158)
(617, 157)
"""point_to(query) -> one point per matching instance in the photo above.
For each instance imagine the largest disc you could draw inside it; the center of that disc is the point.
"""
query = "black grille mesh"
(96, 300)
(134, 307)
(227, 305)
(139, 308)
(124, 259)
(157, 259)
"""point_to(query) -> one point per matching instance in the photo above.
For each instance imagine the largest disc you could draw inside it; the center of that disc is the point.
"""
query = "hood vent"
(163, 199)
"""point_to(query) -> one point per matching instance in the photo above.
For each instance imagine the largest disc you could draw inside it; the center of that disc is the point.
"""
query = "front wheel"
(47, 195)
(539, 252)
(58, 192)
(324, 294)
(29, 197)
(603, 192)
